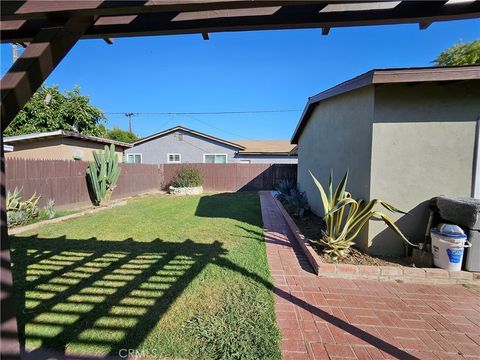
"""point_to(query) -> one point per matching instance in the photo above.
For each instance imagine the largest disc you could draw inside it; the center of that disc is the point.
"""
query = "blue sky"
(262, 70)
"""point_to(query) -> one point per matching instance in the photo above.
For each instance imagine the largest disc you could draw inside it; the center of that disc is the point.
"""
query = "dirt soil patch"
(313, 227)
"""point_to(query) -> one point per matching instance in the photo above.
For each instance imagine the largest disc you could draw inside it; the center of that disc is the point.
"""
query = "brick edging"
(383, 273)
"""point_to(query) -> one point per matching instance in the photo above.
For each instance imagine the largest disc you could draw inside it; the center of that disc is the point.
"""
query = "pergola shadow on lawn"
(109, 294)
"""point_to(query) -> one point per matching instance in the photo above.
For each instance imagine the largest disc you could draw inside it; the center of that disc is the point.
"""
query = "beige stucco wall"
(423, 146)
(338, 136)
(57, 149)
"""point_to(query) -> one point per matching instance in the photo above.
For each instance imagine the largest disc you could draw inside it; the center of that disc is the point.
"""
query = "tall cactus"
(103, 175)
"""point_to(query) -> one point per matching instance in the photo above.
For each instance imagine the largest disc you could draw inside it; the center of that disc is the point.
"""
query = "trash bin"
(472, 262)
(448, 244)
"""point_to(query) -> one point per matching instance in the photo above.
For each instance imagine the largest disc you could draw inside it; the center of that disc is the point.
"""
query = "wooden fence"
(65, 181)
(236, 177)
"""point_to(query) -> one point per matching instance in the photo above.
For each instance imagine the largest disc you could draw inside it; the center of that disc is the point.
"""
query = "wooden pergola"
(49, 29)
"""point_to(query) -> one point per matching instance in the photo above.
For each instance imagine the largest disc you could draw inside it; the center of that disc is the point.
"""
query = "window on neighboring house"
(174, 158)
(215, 158)
(134, 158)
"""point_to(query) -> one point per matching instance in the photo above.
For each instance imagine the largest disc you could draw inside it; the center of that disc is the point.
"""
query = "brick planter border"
(383, 273)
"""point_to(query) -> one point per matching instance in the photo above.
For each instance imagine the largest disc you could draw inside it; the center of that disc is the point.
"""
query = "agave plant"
(20, 212)
(345, 217)
(295, 202)
(284, 188)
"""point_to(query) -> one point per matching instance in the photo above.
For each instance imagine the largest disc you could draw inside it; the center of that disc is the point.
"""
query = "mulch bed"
(313, 228)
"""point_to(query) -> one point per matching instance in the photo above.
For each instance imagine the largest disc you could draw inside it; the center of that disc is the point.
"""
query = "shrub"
(295, 201)
(20, 212)
(187, 176)
(284, 188)
(345, 217)
(49, 209)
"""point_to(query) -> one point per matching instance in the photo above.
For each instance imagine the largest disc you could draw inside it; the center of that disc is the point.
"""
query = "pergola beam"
(25, 76)
(286, 16)
(38, 9)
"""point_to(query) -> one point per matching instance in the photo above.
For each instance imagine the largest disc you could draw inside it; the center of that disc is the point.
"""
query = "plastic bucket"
(448, 249)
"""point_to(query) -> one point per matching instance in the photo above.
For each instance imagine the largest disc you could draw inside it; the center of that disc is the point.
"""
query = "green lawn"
(167, 276)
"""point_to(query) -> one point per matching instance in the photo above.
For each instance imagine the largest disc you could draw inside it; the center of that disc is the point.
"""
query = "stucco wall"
(57, 149)
(191, 148)
(70, 146)
(338, 137)
(423, 146)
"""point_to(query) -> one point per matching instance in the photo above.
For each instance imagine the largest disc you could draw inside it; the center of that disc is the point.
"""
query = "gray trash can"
(472, 262)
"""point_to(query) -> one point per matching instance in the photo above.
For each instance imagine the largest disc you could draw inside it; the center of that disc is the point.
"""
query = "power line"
(217, 128)
(205, 112)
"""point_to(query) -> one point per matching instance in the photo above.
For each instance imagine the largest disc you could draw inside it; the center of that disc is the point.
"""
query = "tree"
(121, 135)
(50, 110)
(460, 54)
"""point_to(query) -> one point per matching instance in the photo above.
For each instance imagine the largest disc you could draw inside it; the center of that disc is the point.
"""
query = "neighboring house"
(406, 135)
(182, 145)
(59, 145)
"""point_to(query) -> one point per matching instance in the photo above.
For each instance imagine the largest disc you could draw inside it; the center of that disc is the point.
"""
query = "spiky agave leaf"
(325, 202)
(341, 229)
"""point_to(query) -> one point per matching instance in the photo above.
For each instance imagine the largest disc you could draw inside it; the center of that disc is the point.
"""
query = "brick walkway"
(325, 318)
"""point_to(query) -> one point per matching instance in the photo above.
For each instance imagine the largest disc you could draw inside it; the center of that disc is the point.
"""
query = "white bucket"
(448, 249)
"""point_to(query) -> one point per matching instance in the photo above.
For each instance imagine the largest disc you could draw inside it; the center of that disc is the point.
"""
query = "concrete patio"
(329, 318)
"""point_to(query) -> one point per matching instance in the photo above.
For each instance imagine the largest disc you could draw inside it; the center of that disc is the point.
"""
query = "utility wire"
(205, 113)
(217, 128)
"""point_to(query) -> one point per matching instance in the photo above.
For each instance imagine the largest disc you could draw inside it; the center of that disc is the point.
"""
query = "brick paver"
(329, 318)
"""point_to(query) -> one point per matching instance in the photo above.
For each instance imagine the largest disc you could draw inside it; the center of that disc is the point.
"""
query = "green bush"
(187, 176)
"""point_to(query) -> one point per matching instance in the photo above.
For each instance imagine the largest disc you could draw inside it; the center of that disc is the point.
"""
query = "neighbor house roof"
(62, 134)
(388, 76)
(259, 147)
(190, 131)
(250, 147)
(294, 151)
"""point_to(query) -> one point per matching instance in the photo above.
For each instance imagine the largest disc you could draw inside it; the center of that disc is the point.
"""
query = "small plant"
(20, 212)
(103, 175)
(49, 209)
(187, 176)
(296, 202)
(284, 188)
(345, 217)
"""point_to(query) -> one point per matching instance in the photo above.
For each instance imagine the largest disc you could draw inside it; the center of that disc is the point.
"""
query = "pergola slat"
(253, 18)
(38, 9)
